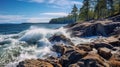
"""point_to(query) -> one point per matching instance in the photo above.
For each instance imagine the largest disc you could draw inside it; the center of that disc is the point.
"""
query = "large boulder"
(34, 63)
(93, 60)
(100, 45)
(84, 47)
(72, 57)
(60, 38)
(105, 53)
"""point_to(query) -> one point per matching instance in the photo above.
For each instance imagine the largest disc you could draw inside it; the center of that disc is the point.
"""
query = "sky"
(35, 11)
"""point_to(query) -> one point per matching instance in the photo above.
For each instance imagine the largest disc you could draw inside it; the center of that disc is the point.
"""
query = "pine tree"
(74, 12)
(84, 11)
(110, 7)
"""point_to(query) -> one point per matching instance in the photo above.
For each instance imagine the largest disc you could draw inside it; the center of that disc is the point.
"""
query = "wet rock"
(59, 48)
(94, 60)
(54, 61)
(115, 60)
(105, 53)
(72, 57)
(60, 38)
(115, 43)
(84, 47)
(100, 45)
(94, 29)
(78, 64)
(34, 63)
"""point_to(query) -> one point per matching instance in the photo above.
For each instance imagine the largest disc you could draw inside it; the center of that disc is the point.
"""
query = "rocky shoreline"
(102, 52)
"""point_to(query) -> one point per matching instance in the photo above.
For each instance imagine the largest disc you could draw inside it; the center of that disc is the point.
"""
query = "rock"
(54, 61)
(85, 48)
(34, 63)
(115, 43)
(94, 29)
(59, 38)
(115, 60)
(93, 60)
(100, 45)
(114, 63)
(72, 57)
(59, 48)
(78, 64)
(105, 53)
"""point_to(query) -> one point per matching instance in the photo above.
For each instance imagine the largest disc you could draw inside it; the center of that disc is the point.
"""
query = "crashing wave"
(32, 43)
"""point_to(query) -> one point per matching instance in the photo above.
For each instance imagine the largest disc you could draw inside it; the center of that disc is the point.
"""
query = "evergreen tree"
(101, 9)
(84, 11)
(74, 12)
(110, 7)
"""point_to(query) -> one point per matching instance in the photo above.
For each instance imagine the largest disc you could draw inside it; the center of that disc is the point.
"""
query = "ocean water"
(30, 41)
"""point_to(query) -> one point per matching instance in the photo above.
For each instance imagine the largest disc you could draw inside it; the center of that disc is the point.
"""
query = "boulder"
(115, 43)
(93, 60)
(101, 45)
(59, 48)
(84, 47)
(72, 57)
(105, 53)
(34, 63)
(60, 38)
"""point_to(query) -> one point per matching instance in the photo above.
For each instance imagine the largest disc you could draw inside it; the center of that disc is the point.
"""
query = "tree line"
(91, 10)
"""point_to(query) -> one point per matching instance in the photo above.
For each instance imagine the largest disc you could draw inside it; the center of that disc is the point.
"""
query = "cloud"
(58, 14)
(20, 19)
(57, 3)
(10, 18)
(45, 17)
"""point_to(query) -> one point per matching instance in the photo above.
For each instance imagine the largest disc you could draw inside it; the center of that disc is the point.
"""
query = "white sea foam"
(32, 43)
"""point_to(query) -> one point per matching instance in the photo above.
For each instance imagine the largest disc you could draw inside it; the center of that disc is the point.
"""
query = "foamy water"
(32, 43)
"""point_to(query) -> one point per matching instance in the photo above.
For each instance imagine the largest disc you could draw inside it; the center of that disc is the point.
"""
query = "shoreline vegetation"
(91, 10)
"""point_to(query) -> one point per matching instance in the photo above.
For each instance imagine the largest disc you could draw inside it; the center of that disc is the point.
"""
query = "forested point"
(91, 10)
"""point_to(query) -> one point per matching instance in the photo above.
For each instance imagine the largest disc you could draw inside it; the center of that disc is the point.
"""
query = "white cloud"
(58, 14)
(10, 18)
(43, 17)
(57, 3)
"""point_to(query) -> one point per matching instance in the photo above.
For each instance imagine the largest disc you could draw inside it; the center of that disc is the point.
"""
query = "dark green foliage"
(91, 10)
(71, 18)
(63, 20)
(99, 9)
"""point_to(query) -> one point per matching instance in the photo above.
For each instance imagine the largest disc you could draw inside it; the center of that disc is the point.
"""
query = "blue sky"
(34, 11)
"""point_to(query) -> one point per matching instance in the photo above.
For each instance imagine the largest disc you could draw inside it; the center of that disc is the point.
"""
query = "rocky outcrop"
(101, 28)
(102, 52)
